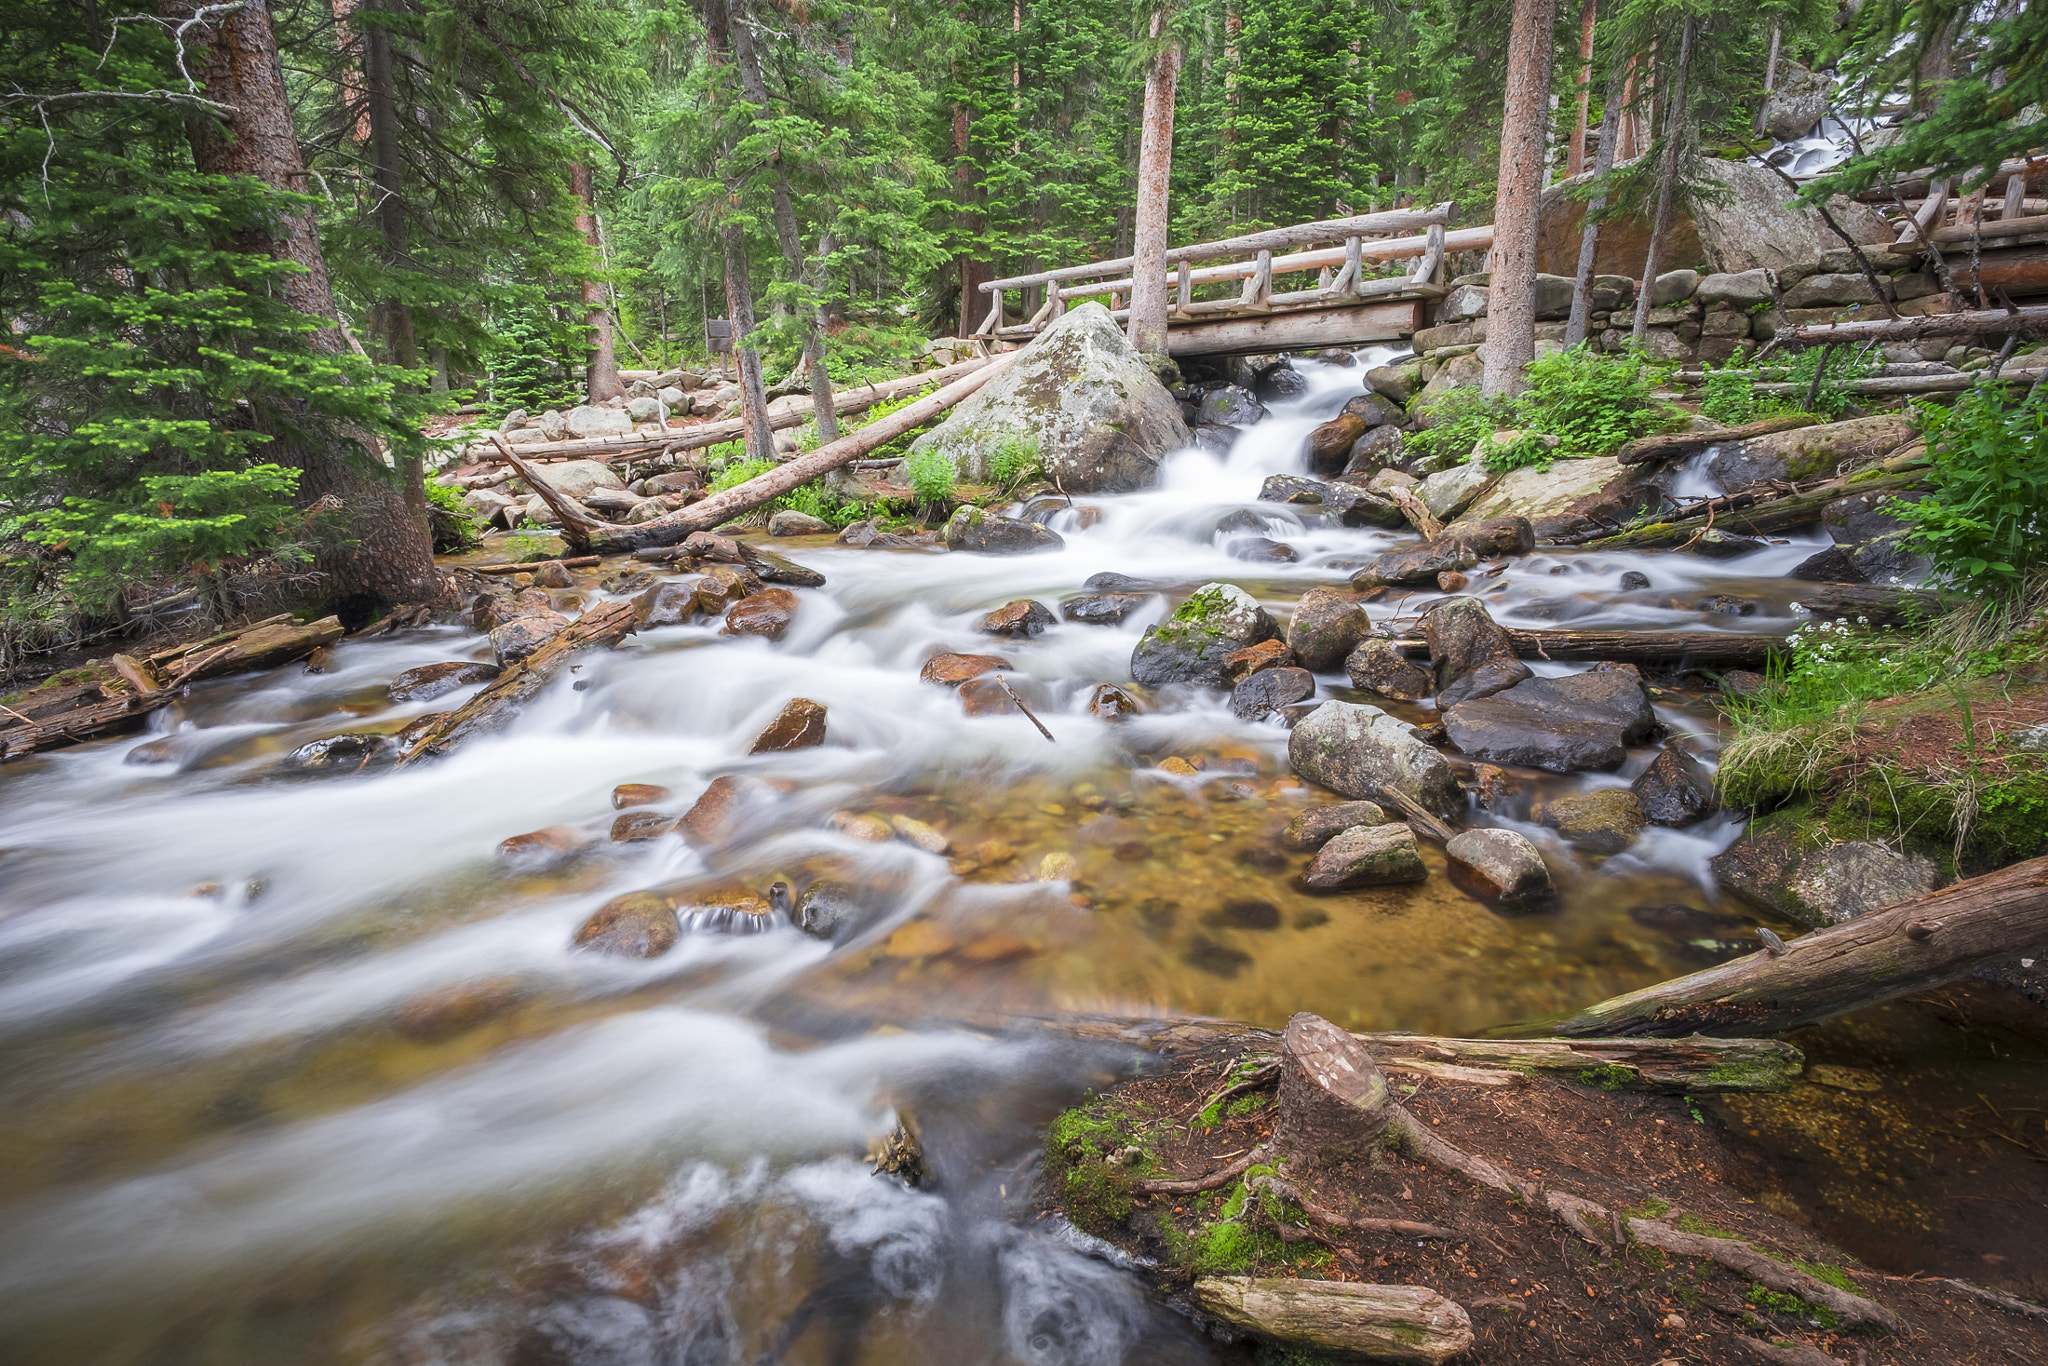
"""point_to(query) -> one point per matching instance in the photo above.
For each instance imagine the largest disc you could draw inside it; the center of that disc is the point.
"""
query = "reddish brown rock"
(951, 670)
(452, 1010)
(669, 604)
(636, 925)
(986, 697)
(1239, 665)
(800, 725)
(1023, 617)
(635, 826)
(1110, 703)
(766, 613)
(637, 794)
(715, 814)
(547, 848)
(432, 680)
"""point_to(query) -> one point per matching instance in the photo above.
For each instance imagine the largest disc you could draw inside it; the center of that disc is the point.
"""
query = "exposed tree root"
(1215, 1180)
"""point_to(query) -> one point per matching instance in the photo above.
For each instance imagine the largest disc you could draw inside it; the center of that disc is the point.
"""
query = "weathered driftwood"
(1384, 1322)
(1905, 384)
(1751, 514)
(1646, 450)
(1766, 1271)
(1913, 946)
(1700, 649)
(497, 704)
(1877, 605)
(1986, 322)
(585, 531)
(573, 562)
(265, 645)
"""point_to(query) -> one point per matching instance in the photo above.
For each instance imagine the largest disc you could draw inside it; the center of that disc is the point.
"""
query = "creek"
(297, 1070)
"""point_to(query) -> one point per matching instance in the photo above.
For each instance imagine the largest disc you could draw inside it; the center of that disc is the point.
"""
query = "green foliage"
(1792, 1306)
(1015, 460)
(449, 521)
(1729, 395)
(738, 472)
(1459, 421)
(525, 549)
(1611, 1077)
(1588, 401)
(527, 362)
(1985, 527)
(932, 475)
(1078, 1145)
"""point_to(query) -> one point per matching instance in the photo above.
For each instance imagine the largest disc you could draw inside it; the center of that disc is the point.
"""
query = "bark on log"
(574, 562)
(586, 532)
(1699, 649)
(2016, 270)
(1384, 1322)
(1676, 445)
(1979, 323)
(1766, 1271)
(1882, 606)
(1913, 946)
(1894, 385)
(1761, 515)
(497, 704)
(1695, 1064)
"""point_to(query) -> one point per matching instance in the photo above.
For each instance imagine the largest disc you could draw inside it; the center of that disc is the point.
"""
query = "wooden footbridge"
(1375, 277)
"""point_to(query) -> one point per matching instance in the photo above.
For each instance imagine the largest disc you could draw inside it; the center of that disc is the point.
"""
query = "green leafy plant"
(524, 549)
(932, 475)
(453, 531)
(738, 472)
(1014, 459)
(1832, 397)
(1593, 401)
(1459, 421)
(1985, 527)
(1729, 395)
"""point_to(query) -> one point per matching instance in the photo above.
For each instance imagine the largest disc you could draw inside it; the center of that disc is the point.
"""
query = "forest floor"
(1535, 1291)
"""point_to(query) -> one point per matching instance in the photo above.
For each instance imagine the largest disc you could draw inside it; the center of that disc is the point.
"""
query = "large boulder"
(983, 533)
(1080, 393)
(1560, 725)
(580, 478)
(1362, 752)
(1348, 503)
(586, 421)
(1569, 488)
(1807, 452)
(1799, 101)
(1472, 656)
(1819, 885)
(1191, 646)
(1327, 626)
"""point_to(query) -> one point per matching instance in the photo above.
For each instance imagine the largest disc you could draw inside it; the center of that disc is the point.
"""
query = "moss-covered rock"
(1787, 862)
(1192, 645)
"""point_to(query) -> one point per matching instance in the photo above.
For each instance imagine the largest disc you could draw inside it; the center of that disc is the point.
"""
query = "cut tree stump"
(499, 703)
(1384, 1322)
(1913, 946)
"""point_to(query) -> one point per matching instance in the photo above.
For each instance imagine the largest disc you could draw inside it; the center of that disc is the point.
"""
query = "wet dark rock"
(1742, 683)
(951, 670)
(1260, 549)
(1218, 960)
(767, 613)
(635, 826)
(1210, 437)
(1605, 821)
(987, 697)
(772, 568)
(1022, 618)
(1280, 382)
(1833, 565)
(799, 725)
(1329, 446)
(166, 750)
(1229, 406)
(1190, 646)
(1249, 913)
(1362, 752)
(1890, 560)
(540, 850)
(1239, 665)
(627, 795)
(1379, 449)
(1676, 789)
(1110, 703)
(1102, 609)
(1726, 606)
(636, 925)
(341, 754)
(633, 581)
(716, 814)
(1375, 856)
(1500, 866)
(1494, 536)
(982, 533)
(1292, 716)
(554, 574)
(831, 909)
(1318, 825)
(1473, 657)
(1244, 519)
(522, 635)
(723, 585)
(1704, 936)
(1326, 627)
(1499, 791)
(1861, 517)
(432, 680)
(1634, 580)
(1776, 865)
(1108, 582)
(667, 604)
(1377, 666)
(1351, 505)
(712, 547)
(1269, 690)
(1560, 725)
(319, 662)
(1714, 544)
(1374, 410)
(1416, 565)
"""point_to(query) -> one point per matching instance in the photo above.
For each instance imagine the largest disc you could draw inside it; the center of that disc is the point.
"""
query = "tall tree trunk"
(1667, 178)
(602, 380)
(1770, 77)
(814, 348)
(1575, 154)
(739, 284)
(1155, 175)
(388, 557)
(1589, 235)
(1511, 312)
(756, 91)
(967, 195)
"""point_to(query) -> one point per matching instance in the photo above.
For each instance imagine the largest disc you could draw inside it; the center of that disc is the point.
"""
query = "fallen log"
(1914, 946)
(1878, 605)
(1700, 649)
(586, 532)
(1755, 515)
(1765, 1270)
(499, 703)
(1905, 384)
(1917, 184)
(1987, 231)
(1409, 1323)
(1646, 450)
(1985, 322)
(574, 562)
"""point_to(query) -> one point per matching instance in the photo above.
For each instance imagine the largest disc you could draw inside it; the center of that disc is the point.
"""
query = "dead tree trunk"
(1667, 178)
(1589, 235)
(1155, 168)
(1511, 314)
(739, 283)
(1575, 150)
(388, 555)
(1913, 946)
(602, 380)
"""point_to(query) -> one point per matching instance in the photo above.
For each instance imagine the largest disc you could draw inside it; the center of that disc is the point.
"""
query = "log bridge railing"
(1346, 304)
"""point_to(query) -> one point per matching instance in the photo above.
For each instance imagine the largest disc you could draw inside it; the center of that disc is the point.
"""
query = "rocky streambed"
(558, 1047)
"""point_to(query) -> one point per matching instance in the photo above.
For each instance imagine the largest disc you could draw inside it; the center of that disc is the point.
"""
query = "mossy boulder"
(1080, 396)
(1785, 862)
(1193, 645)
(1362, 752)
(1809, 452)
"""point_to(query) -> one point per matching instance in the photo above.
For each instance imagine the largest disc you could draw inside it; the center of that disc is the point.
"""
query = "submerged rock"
(539, 850)
(1217, 620)
(951, 670)
(1676, 789)
(1102, 609)
(1260, 549)
(800, 725)
(1269, 690)
(1318, 825)
(341, 754)
(1560, 725)
(1362, 752)
(432, 680)
(1023, 618)
(636, 925)
(1110, 703)
(717, 812)
(1605, 821)
(522, 635)
(1500, 866)
(1367, 856)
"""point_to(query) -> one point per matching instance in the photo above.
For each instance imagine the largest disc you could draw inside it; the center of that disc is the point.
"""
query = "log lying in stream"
(1913, 946)
(587, 532)
(1700, 649)
(497, 704)
(1752, 514)
(1645, 450)
(1878, 605)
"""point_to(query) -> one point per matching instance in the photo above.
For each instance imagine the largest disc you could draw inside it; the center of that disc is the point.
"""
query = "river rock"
(800, 725)
(1493, 536)
(1269, 690)
(1102, 609)
(716, 813)
(632, 827)
(585, 420)
(1239, 665)
(790, 522)
(1833, 565)
(1260, 550)
(1376, 450)
(723, 585)
(951, 670)
(1350, 504)
(1023, 618)
(1372, 856)
(348, 753)
(1415, 565)
(1190, 646)
(540, 850)
(766, 613)
(1373, 410)
(1808, 452)
(1318, 825)
(1083, 396)
(983, 533)
(1560, 725)
(1798, 101)
(1229, 406)
(1716, 544)
(1743, 289)
(1362, 752)
(1676, 789)
(711, 547)
(1398, 381)
(1773, 867)
(522, 635)
(772, 568)
(1110, 703)
(1329, 446)
(1408, 1323)
(669, 603)
(637, 794)
(429, 681)
(1604, 821)
(1282, 381)
(1327, 626)
(1500, 866)
(1452, 491)
(1568, 488)
(636, 925)
(985, 696)
(1472, 656)
(1377, 666)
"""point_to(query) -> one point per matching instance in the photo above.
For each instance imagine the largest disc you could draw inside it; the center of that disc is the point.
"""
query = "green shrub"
(738, 472)
(1014, 459)
(1985, 526)
(1589, 401)
(448, 520)
(931, 475)
(1459, 421)
(1730, 395)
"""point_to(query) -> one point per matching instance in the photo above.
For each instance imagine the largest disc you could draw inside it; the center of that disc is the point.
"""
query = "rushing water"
(297, 1070)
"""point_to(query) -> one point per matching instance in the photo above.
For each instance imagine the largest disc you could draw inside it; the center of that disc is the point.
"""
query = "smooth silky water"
(295, 1070)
